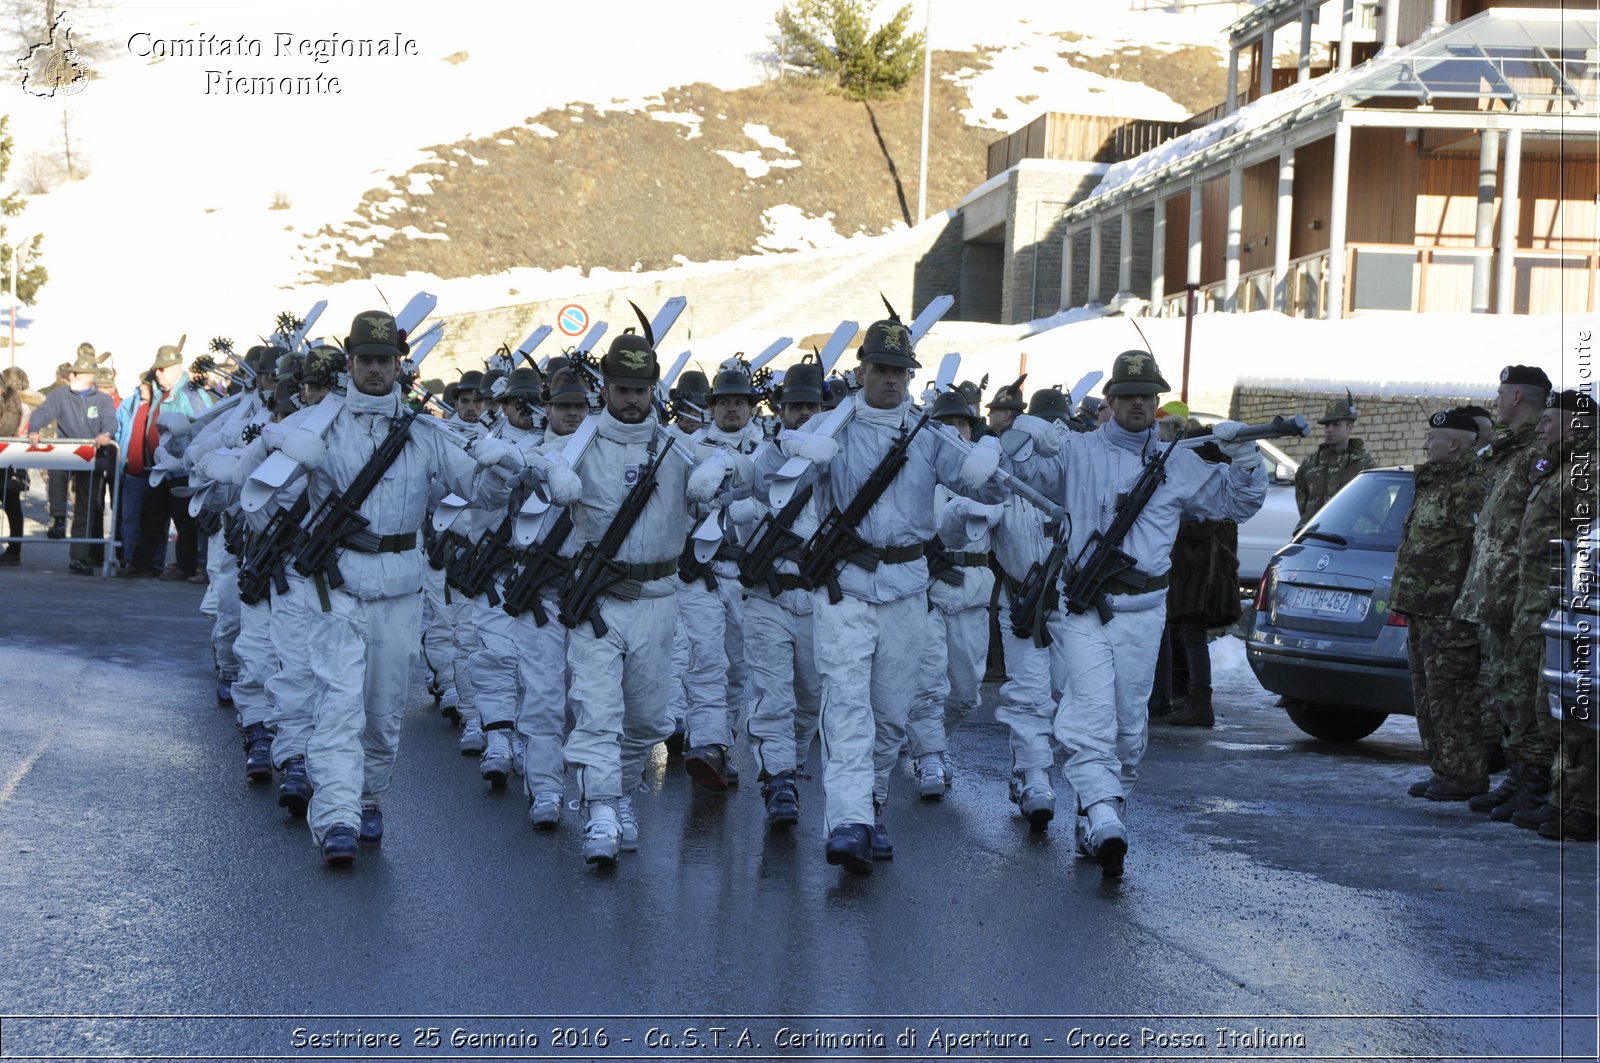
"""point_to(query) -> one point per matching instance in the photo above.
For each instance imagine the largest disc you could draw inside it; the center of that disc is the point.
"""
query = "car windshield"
(1369, 514)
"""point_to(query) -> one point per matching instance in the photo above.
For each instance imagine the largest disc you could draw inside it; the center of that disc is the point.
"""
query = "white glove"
(561, 484)
(1240, 452)
(707, 477)
(176, 423)
(306, 448)
(808, 446)
(219, 466)
(232, 435)
(991, 514)
(1044, 436)
(980, 465)
(744, 511)
(487, 451)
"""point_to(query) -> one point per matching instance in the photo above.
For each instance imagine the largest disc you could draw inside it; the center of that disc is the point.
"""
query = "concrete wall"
(1040, 194)
(1393, 426)
(792, 295)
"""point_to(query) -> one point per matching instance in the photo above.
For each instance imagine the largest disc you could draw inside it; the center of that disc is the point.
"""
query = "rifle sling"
(887, 555)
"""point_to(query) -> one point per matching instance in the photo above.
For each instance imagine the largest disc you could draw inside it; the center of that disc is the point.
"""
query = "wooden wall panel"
(1213, 229)
(1177, 243)
(1383, 181)
(1313, 195)
(1260, 215)
(1556, 199)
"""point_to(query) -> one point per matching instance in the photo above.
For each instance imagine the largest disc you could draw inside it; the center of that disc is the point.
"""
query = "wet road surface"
(1277, 887)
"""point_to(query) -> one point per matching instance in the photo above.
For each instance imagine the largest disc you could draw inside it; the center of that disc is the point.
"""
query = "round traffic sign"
(572, 320)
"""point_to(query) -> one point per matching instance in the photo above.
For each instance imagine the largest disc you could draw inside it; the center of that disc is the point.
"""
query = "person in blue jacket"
(82, 411)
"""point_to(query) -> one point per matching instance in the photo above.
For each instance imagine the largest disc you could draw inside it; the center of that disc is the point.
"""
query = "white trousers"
(1029, 696)
(618, 694)
(294, 686)
(223, 568)
(716, 678)
(363, 651)
(867, 654)
(464, 617)
(955, 654)
(258, 662)
(438, 634)
(782, 657)
(519, 674)
(1103, 716)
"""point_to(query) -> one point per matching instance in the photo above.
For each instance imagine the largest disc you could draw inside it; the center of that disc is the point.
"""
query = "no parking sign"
(573, 320)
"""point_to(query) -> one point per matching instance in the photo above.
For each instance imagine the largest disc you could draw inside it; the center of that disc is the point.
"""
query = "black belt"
(651, 570)
(365, 542)
(1154, 583)
(899, 555)
(970, 559)
(1013, 589)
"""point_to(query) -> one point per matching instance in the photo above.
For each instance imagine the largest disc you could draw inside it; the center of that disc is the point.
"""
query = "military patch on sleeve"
(1542, 466)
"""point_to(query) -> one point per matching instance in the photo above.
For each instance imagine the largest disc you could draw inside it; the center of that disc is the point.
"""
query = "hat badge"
(1136, 364)
(1438, 419)
(635, 359)
(379, 327)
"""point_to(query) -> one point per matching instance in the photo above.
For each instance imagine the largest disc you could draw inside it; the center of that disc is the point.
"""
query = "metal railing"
(76, 457)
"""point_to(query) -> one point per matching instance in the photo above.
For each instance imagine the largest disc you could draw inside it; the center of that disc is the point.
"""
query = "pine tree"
(31, 273)
(834, 39)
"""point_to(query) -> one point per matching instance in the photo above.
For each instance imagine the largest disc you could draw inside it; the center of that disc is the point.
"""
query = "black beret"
(1530, 375)
(1570, 401)
(1458, 419)
(1476, 411)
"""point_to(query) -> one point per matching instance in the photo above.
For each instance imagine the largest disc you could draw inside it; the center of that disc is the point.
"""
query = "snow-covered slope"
(196, 205)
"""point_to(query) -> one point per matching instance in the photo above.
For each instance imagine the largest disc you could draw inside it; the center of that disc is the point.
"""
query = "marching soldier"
(620, 647)
(867, 640)
(778, 636)
(1508, 672)
(1428, 569)
(1336, 462)
(1101, 721)
(366, 623)
(955, 647)
(711, 603)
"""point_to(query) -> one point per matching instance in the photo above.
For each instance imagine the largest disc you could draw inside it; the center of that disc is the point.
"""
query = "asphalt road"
(1283, 896)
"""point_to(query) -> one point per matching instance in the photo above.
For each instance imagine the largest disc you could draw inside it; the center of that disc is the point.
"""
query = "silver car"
(1323, 635)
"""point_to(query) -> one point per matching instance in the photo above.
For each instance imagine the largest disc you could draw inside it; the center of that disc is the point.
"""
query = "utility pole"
(927, 83)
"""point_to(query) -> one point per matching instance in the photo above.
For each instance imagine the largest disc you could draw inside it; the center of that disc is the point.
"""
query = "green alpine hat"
(472, 380)
(953, 404)
(1339, 410)
(565, 386)
(104, 378)
(1051, 405)
(1135, 373)
(693, 387)
(888, 342)
(490, 377)
(802, 382)
(630, 361)
(167, 355)
(733, 382)
(523, 383)
(374, 334)
(84, 363)
(1009, 396)
(286, 395)
(323, 366)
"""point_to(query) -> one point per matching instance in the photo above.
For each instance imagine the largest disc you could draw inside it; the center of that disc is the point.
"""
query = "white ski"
(662, 323)
(590, 338)
(297, 341)
(536, 337)
(930, 316)
(670, 377)
(842, 335)
(532, 517)
(279, 468)
(420, 349)
(775, 349)
(413, 313)
(1081, 388)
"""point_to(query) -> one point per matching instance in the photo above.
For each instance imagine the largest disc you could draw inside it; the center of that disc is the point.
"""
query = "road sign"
(572, 320)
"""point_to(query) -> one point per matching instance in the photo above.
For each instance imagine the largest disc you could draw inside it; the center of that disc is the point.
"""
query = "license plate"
(1317, 600)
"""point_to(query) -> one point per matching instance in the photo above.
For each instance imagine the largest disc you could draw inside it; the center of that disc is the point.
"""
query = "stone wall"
(1393, 424)
(1039, 196)
(796, 295)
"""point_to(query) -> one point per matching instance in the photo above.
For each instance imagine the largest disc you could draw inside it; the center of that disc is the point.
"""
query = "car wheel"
(1334, 725)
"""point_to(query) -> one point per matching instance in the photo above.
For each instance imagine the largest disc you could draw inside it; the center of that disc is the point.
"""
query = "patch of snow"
(542, 129)
(685, 118)
(754, 165)
(421, 184)
(411, 232)
(1025, 81)
(789, 229)
(507, 141)
(765, 137)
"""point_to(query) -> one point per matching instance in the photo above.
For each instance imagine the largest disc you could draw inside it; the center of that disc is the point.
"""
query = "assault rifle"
(1102, 558)
(942, 563)
(542, 565)
(261, 572)
(597, 569)
(476, 575)
(1038, 597)
(339, 514)
(774, 540)
(835, 540)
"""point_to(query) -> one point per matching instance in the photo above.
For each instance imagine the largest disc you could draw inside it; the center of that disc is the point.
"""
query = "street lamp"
(927, 81)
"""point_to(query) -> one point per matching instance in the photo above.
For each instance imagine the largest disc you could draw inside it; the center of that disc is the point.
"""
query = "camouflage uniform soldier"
(1336, 462)
(1560, 478)
(1434, 550)
(1508, 672)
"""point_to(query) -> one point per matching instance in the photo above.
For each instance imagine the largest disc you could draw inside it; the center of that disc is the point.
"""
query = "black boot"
(1508, 788)
(1196, 712)
(294, 790)
(1535, 792)
(782, 801)
(258, 753)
